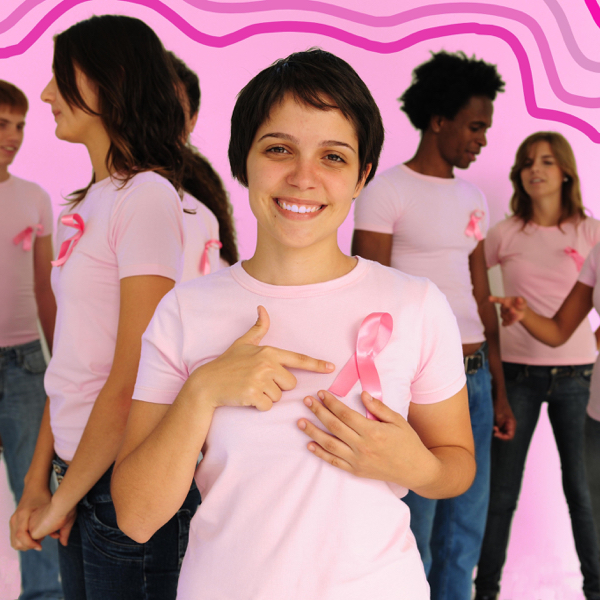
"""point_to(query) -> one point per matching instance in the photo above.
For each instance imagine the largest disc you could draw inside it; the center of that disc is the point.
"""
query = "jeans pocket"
(583, 377)
(34, 361)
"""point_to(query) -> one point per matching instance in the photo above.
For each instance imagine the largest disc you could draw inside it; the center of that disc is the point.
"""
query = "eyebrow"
(291, 138)
(2, 120)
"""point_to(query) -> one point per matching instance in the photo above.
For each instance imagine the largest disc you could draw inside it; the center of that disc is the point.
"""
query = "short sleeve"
(377, 207)
(146, 231)
(492, 246)
(46, 219)
(589, 272)
(441, 372)
(162, 373)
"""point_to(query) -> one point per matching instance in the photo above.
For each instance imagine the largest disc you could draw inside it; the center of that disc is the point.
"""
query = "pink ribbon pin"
(373, 336)
(204, 262)
(579, 260)
(473, 226)
(26, 236)
(68, 245)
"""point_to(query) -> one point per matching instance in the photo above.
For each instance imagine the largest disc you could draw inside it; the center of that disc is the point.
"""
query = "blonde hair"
(571, 202)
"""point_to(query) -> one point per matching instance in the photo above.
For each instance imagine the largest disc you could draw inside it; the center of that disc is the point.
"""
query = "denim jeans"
(22, 400)
(449, 532)
(566, 389)
(101, 563)
(592, 466)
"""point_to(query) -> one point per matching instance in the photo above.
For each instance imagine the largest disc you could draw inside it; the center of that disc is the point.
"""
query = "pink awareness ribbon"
(204, 262)
(26, 236)
(473, 226)
(68, 245)
(579, 260)
(373, 336)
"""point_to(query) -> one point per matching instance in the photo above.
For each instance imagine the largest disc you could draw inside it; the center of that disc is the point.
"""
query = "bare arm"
(557, 330)
(504, 419)
(46, 304)
(103, 433)
(373, 246)
(432, 453)
(36, 492)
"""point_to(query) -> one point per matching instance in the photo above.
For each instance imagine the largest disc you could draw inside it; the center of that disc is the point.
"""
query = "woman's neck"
(298, 266)
(98, 149)
(546, 211)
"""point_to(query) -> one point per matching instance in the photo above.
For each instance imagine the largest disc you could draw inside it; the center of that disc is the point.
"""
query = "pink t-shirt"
(535, 266)
(136, 230)
(200, 228)
(23, 205)
(428, 218)
(276, 521)
(590, 275)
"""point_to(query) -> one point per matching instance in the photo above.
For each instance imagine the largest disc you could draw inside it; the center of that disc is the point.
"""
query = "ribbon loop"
(472, 229)
(579, 260)
(374, 334)
(204, 261)
(26, 236)
(67, 246)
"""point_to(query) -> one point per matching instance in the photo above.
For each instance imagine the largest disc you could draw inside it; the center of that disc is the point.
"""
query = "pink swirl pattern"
(373, 336)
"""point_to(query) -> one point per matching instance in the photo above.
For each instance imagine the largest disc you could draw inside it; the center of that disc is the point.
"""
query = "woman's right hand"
(512, 308)
(248, 374)
(20, 537)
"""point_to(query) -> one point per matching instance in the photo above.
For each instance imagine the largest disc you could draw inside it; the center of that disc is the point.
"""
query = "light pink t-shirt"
(23, 204)
(200, 228)
(428, 218)
(276, 521)
(535, 266)
(137, 230)
(590, 275)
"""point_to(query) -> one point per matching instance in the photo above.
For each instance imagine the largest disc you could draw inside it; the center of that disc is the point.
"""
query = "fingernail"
(308, 402)
(330, 366)
(302, 425)
(321, 395)
(311, 447)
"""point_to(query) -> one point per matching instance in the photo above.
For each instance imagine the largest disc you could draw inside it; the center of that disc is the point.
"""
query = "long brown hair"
(137, 94)
(571, 203)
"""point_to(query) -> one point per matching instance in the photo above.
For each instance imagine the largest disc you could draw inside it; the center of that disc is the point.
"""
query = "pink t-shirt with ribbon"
(136, 230)
(435, 224)
(201, 249)
(25, 213)
(542, 264)
(275, 520)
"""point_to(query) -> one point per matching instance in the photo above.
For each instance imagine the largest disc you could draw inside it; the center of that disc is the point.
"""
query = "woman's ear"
(361, 182)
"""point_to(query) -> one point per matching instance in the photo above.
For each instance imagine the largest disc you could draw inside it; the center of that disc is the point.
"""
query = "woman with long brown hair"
(121, 240)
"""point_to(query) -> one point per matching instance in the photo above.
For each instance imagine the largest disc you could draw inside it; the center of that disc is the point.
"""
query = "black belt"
(475, 361)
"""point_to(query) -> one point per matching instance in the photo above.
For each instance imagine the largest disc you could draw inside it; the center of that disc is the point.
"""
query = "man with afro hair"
(421, 219)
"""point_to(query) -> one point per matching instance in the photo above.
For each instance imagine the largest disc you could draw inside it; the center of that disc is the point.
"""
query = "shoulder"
(28, 189)
(147, 180)
(201, 211)
(510, 224)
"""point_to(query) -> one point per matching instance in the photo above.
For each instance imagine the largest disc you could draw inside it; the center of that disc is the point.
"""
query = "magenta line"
(335, 33)
(594, 10)
(17, 14)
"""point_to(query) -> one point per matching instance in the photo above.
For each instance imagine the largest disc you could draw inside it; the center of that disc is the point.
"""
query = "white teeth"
(298, 209)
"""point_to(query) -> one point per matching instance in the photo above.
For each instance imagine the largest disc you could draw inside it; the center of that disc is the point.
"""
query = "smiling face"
(303, 171)
(73, 124)
(12, 125)
(460, 139)
(541, 176)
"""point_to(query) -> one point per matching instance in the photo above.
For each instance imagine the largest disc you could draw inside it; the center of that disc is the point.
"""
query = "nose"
(482, 138)
(302, 175)
(49, 92)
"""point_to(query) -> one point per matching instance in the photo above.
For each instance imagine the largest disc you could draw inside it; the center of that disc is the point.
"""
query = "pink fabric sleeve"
(146, 231)
(485, 222)
(162, 373)
(441, 372)
(377, 208)
(492, 246)
(46, 215)
(588, 273)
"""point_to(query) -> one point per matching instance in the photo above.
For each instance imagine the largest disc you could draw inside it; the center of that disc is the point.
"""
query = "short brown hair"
(11, 95)
(571, 202)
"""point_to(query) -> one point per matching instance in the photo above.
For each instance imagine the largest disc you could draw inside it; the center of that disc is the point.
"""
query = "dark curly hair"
(137, 94)
(443, 85)
(316, 78)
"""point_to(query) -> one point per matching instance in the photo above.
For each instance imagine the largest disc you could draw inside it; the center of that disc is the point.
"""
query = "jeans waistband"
(474, 362)
(20, 347)
(546, 370)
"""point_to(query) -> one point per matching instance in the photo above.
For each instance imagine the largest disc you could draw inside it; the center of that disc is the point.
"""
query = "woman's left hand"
(47, 520)
(387, 450)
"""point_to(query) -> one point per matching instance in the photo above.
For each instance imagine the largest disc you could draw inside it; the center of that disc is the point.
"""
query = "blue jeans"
(449, 532)
(101, 563)
(22, 400)
(592, 466)
(566, 389)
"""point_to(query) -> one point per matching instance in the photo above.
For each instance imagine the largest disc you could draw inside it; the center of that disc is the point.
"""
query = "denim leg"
(114, 566)
(71, 565)
(566, 409)
(459, 522)
(22, 400)
(525, 396)
(592, 466)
